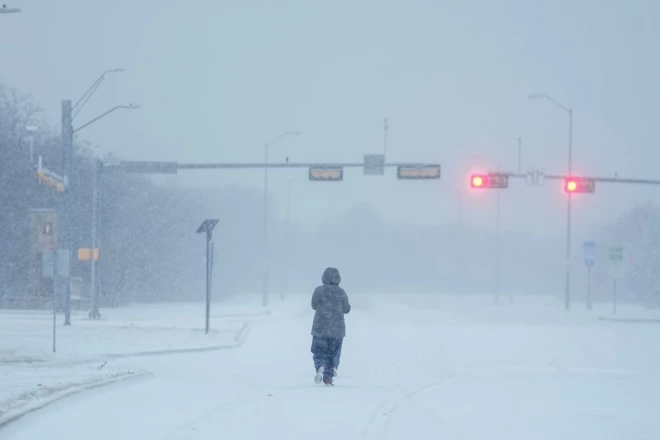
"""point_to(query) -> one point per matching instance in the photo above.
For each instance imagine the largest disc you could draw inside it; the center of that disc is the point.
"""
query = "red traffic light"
(489, 180)
(579, 185)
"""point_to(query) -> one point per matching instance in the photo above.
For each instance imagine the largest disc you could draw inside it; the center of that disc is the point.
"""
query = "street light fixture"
(78, 106)
(124, 107)
(567, 292)
(266, 280)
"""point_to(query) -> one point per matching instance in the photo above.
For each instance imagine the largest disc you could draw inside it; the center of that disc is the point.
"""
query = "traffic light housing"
(493, 180)
(579, 185)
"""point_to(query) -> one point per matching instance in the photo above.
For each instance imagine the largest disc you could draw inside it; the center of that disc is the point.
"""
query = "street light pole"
(266, 276)
(67, 172)
(93, 291)
(287, 234)
(569, 111)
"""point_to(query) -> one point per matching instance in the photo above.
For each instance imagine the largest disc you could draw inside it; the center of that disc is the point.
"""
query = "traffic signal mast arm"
(594, 179)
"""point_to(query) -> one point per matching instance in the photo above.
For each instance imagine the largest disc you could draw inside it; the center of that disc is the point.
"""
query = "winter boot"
(328, 382)
(319, 374)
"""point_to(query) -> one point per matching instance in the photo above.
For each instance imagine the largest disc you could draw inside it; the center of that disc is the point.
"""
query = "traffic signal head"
(492, 180)
(477, 181)
(579, 185)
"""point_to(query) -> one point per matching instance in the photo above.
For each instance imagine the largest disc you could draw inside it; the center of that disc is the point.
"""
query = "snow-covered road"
(413, 367)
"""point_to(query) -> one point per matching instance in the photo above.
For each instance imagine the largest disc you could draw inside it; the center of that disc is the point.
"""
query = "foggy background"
(218, 79)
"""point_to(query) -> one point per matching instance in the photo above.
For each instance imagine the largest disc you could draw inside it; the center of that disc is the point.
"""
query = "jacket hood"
(331, 276)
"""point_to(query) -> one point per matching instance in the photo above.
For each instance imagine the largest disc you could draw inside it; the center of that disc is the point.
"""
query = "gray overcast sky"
(216, 79)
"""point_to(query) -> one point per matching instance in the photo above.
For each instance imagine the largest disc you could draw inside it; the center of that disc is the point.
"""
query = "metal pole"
(55, 277)
(287, 231)
(385, 127)
(497, 248)
(614, 297)
(65, 221)
(94, 309)
(589, 304)
(266, 280)
(567, 298)
(208, 280)
(99, 228)
(519, 155)
(32, 151)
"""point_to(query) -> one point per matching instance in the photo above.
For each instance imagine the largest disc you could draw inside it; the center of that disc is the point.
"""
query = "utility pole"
(65, 207)
(93, 291)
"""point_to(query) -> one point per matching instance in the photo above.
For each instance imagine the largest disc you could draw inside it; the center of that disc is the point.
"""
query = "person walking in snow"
(330, 304)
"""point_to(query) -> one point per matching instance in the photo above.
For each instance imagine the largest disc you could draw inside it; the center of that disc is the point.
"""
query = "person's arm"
(315, 298)
(345, 303)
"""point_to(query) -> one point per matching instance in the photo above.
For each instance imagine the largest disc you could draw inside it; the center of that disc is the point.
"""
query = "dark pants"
(338, 355)
(325, 351)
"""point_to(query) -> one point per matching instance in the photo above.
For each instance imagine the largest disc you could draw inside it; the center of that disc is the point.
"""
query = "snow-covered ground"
(31, 375)
(413, 366)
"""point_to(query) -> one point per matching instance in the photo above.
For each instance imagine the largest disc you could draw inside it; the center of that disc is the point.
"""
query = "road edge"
(20, 413)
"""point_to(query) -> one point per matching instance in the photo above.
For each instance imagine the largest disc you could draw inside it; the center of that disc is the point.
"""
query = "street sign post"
(589, 261)
(374, 164)
(616, 270)
(207, 227)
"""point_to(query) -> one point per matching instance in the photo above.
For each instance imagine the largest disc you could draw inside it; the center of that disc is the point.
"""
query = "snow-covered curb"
(631, 320)
(31, 401)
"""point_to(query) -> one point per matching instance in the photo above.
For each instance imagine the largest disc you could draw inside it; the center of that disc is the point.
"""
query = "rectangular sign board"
(322, 173)
(85, 254)
(589, 253)
(418, 172)
(374, 164)
(616, 253)
(149, 167)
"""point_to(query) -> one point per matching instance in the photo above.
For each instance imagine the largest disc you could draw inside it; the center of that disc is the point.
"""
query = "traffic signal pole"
(65, 206)
(567, 293)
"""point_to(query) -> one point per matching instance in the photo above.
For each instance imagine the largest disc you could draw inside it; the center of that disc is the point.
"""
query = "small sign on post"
(207, 227)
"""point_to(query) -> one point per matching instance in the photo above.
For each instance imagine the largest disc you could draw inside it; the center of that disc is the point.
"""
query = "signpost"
(589, 261)
(54, 266)
(207, 226)
(616, 259)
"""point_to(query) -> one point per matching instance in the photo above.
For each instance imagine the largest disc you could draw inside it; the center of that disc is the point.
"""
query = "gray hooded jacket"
(331, 304)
